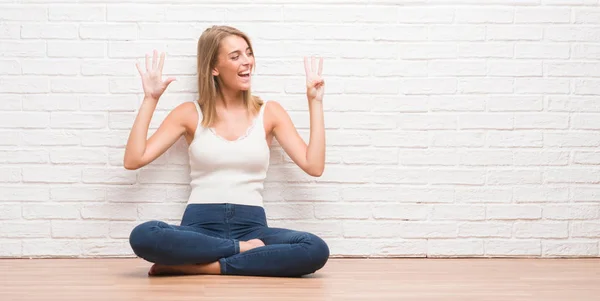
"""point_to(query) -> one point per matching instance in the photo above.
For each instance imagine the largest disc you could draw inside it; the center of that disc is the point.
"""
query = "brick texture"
(454, 128)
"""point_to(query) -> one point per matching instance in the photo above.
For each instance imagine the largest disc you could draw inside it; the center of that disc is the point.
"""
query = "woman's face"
(234, 64)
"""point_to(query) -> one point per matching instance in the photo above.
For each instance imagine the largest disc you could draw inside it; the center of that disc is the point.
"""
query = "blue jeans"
(212, 232)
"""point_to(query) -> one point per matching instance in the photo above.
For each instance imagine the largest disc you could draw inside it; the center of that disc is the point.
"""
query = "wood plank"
(341, 279)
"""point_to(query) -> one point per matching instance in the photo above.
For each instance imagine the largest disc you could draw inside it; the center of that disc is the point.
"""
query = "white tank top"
(224, 171)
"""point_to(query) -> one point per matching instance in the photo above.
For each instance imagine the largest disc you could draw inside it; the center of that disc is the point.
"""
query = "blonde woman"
(224, 227)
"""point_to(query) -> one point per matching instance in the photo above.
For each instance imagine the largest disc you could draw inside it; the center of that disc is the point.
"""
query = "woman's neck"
(231, 99)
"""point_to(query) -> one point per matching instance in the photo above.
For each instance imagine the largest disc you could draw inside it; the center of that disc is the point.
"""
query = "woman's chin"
(245, 87)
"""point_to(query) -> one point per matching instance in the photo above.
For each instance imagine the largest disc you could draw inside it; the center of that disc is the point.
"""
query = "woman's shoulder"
(274, 114)
(272, 107)
(184, 109)
(186, 114)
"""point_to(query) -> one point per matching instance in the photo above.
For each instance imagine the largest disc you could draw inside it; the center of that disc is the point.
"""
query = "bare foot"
(213, 268)
(250, 244)
(157, 269)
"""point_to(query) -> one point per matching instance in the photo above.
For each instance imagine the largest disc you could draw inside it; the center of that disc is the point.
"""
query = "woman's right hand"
(152, 81)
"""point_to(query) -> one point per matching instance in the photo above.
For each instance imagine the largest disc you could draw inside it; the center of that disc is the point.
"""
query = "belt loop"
(229, 211)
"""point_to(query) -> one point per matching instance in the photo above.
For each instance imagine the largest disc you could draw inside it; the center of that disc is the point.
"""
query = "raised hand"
(152, 82)
(315, 85)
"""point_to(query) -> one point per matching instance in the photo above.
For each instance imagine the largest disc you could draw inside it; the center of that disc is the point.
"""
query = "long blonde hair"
(208, 85)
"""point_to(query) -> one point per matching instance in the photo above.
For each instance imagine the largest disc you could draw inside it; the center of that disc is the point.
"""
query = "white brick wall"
(454, 128)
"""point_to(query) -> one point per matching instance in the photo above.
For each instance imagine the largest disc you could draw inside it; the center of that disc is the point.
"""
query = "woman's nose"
(246, 59)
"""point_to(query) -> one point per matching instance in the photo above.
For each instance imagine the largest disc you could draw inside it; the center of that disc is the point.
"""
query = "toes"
(152, 270)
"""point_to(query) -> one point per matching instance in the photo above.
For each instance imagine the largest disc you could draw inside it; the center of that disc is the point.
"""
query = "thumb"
(169, 80)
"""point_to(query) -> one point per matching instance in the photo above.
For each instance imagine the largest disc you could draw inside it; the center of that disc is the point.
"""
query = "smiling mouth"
(245, 74)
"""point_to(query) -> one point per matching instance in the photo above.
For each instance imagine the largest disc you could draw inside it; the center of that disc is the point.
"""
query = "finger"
(161, 63)
(148, 68)
(137, 65)
(312, 64)
(320, 66)
(306, 68)
(317, 83)
(154, 59)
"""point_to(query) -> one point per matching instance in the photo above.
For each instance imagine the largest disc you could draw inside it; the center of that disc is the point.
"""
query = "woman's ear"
(215, 72)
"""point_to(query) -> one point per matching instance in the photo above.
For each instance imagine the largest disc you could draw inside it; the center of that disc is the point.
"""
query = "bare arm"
(140, 151)
(311, 157)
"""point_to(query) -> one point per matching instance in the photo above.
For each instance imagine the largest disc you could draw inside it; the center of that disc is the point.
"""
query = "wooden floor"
(341, 279)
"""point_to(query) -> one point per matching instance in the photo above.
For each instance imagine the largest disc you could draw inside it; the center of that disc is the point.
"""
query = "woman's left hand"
(315, 85)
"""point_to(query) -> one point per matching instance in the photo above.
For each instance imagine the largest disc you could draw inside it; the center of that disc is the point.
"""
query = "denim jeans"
(212, 232)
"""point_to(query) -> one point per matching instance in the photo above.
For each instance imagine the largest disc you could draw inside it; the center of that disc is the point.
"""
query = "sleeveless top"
(225, 171)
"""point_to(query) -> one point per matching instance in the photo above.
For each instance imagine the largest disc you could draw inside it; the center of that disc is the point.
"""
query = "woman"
(224, 228)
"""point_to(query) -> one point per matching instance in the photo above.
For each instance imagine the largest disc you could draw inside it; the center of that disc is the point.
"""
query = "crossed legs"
(263, 251)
